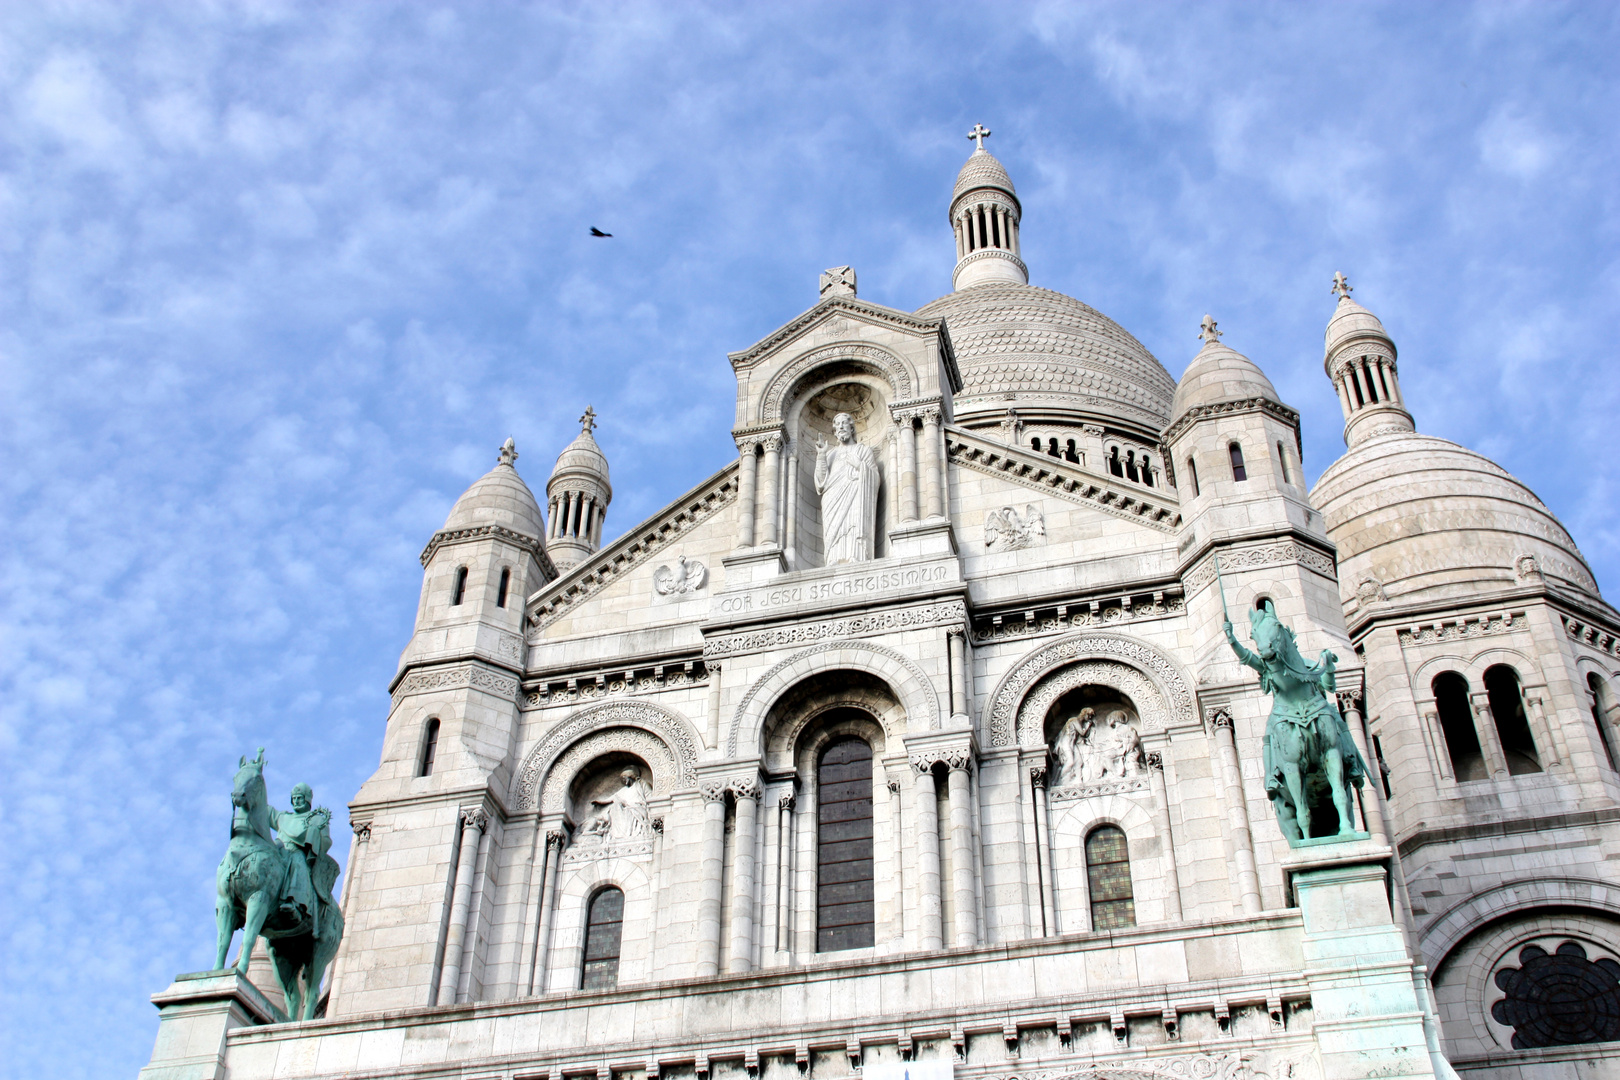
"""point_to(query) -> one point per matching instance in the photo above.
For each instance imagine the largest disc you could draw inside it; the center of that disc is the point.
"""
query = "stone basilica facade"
(910, 742)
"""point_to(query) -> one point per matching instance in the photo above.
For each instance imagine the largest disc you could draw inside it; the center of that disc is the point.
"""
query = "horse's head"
(1271, 637)
(247, 791)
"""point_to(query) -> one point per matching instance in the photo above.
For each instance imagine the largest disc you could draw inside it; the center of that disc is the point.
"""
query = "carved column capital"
(772, 443)
(658, 825)
(712, 790)
(922, 763)
(1037, 775)
(1220, 717)
(1349, 700)
(1154, 760)
(745, 787)
(747, 444)
(556, 838)
(475, 817)
(362, 830)
(893, 786)
(785, 801)
(959, 760)
(930, 414)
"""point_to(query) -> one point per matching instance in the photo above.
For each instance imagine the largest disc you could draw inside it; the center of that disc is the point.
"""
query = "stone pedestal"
(754, 565)
(194, 1015)
(1368, 1019)
(927, 539)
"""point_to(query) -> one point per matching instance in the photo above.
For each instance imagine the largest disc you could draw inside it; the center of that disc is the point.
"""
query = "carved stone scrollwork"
(921, 763)
(1138, 670)
(746, 787)
(1349, 700)
(771, 442)
(1154, 760)
(658, 825)
(556, 838)
(475, 818)
(1037, 775)
(713, 790)
(641, 728)
(959, 760)
(785, 802)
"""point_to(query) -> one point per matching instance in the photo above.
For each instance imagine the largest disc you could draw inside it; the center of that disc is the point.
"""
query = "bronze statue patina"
(280, 891)
(1307, 743)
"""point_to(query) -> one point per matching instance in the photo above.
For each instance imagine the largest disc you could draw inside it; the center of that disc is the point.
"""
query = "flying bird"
(598, 232)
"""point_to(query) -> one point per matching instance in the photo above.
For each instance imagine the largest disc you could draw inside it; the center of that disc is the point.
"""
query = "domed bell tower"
(985, 213)
(578, 494)
(1359, 356)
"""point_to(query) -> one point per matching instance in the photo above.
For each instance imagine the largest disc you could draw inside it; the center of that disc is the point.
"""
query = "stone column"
(1237, 812)
(1489, 741)
(963, 894)
(741, 954)
(548, 901)
(784, 872)
(897, 826)
(712, 731)
(1161, 825)
(908, 469)
(1043, 850)
(1373, 790)
(746, 477)
(790, 528)
(773, 474)
(714, 855)
(930, 921)
(351, 873)
(804, 875)
(1546, 734)
(472, 831)
(931, 463)
(960, 679)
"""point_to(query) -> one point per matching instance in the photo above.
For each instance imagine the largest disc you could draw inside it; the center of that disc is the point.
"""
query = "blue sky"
(276, 280)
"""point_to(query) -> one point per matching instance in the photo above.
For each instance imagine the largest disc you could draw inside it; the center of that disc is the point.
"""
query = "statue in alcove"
(1088, 753)
(623, 814)
(847, 481)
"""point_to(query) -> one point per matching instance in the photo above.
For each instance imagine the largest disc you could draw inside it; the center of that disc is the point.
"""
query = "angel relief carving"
(685, 577)
(1006, 530)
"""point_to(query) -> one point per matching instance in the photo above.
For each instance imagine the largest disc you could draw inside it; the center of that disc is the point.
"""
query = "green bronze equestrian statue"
(1307, 743)
(279, 890)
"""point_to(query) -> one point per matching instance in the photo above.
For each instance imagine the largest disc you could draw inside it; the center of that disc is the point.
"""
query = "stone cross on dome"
(1207, 331)
(587, 420)
(1341, 286)
(509, 454)
(979, 133)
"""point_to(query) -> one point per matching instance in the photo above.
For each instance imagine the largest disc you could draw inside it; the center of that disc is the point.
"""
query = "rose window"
(1559, 998)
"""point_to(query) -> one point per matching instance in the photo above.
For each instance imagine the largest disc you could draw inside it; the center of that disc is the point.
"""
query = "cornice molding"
(847, 304)
(1233, 408)
(532, 544)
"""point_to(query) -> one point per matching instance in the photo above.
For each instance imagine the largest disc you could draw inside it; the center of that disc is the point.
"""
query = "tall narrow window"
(1236, 453)
(1512, 726)
(1372, 387)
(844, 914)
(1130, 467)
(1282, 462)
(1070, 454)
(604, 926)
(1108, 874)
(1192, 471)
(500, 591)
(430, 748)
(460, 588)
(1602, 709)
(1114, 465)
(1457, 726)
(1051, 447)
(1147, 470)
(1035, 445)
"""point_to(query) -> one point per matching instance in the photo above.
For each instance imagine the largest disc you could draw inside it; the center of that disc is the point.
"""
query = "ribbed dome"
(499, 497)
(1429, 519)
(1023, 347)
(982, 170)
(583, 456)
(1219, 373)
(1349, 320)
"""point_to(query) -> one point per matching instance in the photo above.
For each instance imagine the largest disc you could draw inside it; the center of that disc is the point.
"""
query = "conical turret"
(1359, 356)
(578, 494)
(985, 213)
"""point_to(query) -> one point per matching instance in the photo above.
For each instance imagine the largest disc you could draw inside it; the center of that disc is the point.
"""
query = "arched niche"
(838, 387)
(798, 718)
(658, 736)
(1094, 732)
(1151, 680)
(596, 804)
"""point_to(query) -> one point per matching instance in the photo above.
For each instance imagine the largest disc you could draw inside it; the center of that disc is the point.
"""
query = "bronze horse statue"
(280, 891)
(1307, 743)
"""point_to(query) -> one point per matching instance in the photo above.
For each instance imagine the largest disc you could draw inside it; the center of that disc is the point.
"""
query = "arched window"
(1282, 462)
(1512, 726)
(1265, 603)
(1192, 471)
(1070, 453)
(1147, 470)
(1238, 471)
(844, 914)
(1035, 444)
(500, 592)
(1052, 447)
(460, 588)
(604, 925)
(1114, 465)
(1108, 874)
(1457, 726)
(430, 748)
(1130, 467)
(1603, 709)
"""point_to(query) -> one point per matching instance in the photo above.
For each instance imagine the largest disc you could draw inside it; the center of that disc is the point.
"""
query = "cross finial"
(509, 454)
(587, 420)
(1341, 285)
(1207, 331)
(979, 133)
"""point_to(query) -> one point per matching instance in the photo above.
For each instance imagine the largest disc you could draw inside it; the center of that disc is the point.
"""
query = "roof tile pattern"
(1032, 342)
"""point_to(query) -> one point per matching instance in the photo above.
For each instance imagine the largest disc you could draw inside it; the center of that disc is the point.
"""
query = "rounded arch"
(881, 362)
(662, 726)
(909, 683)
(808, 700)
(1441, 938)
(1156, 684)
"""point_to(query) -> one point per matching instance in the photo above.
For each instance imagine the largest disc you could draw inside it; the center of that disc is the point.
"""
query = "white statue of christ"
(847, 481)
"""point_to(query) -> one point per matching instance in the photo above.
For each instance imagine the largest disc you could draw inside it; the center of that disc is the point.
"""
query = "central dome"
(1038, 351)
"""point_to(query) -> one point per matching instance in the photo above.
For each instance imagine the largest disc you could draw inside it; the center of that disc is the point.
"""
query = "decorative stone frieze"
(1077, 792)
(532, 544)
(950, 612)
(1256, 557)
(457, 677)
(580, 851)
(1079, 614)
(1055, 477)
(1271, 408)
(645, 745)
(1482, 626)
(598, 685)
(1595, 636)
